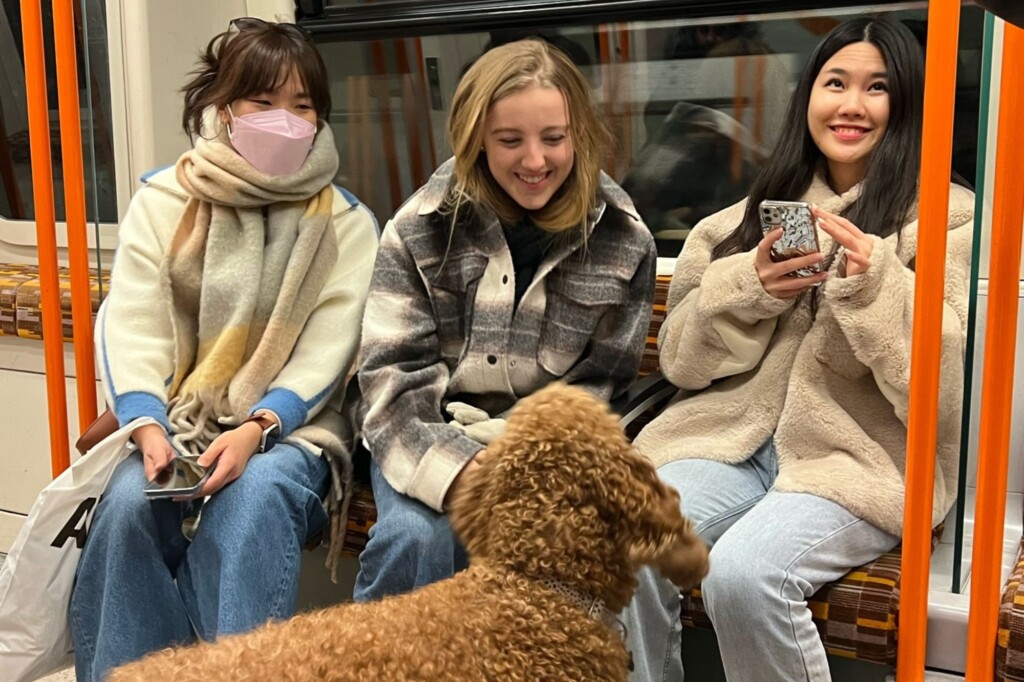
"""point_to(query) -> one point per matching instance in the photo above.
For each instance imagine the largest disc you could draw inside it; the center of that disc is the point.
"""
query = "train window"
(694, 103)
(94, 87)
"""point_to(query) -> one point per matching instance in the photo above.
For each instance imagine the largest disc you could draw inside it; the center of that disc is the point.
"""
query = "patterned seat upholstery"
(362, 514)
(20, 299)
(1010, 635)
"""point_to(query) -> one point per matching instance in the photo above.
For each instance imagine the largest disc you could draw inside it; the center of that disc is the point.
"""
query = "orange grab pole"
(46, 237)
(925, 363)
(74, 207)
(997, 380)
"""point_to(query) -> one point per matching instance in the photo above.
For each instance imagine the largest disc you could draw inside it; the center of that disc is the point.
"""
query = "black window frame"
(411, 18)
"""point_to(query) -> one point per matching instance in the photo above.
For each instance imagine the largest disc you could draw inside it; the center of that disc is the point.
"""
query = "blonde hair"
(504, 71)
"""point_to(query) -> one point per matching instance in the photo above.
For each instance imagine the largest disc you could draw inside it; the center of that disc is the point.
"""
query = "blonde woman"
(518, 263)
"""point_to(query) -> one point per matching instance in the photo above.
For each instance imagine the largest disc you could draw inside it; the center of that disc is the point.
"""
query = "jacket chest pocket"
(576, 303)
(453, 285)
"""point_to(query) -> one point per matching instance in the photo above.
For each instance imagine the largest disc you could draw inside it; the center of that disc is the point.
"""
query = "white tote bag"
(36, 579)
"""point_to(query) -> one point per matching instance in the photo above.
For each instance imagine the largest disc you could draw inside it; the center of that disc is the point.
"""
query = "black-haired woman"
(789, 458)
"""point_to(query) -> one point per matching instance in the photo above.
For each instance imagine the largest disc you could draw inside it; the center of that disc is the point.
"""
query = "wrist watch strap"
(270, 428)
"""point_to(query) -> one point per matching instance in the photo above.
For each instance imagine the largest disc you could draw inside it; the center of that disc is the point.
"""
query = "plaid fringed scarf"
(248, 260)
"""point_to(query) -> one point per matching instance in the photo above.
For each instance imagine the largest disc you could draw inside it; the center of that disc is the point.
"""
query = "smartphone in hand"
(799, 231)
(182, 477)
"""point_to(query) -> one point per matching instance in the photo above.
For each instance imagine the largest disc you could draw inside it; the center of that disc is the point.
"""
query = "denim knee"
(272, 491)
(124, 512)
(412, 537)
(737, 580)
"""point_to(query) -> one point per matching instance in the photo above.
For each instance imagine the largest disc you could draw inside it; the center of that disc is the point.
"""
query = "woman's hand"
(157, 452)
(857, 245)
(231, 451)
(775, 276)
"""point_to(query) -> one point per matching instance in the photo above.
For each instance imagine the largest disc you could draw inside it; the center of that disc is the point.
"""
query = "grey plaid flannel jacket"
(440, 325)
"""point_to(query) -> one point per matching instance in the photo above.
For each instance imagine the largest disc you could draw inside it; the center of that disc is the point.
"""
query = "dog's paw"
(687, 565)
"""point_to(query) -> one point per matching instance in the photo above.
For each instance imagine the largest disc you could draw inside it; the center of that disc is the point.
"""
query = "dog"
(556, 520)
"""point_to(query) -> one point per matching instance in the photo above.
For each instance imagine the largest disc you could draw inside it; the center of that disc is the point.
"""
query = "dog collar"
(594, 607)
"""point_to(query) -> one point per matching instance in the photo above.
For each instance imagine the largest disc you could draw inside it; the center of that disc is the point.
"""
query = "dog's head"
(563, 495)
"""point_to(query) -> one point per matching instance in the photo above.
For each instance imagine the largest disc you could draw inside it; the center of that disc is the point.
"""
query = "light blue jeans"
(410, 546)
(141, 586)
(770, 552)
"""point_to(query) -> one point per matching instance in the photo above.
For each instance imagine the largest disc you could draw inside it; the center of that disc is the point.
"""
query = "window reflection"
(694, 106)
(15, 166)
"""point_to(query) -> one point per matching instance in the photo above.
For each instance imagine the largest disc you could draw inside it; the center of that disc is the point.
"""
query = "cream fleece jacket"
(833, 389)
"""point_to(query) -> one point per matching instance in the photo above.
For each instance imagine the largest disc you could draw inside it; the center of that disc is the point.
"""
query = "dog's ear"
(660, 536)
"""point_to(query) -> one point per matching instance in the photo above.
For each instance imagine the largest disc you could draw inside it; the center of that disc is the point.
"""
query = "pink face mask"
(276, 142)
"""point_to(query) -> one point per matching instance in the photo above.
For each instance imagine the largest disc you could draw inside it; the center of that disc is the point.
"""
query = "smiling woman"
(810, 483)
(528, 149)
(835, 123)
(848, 111)
(519, 263)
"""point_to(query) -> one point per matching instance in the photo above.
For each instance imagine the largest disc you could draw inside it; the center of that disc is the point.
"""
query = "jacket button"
(492, 360)
(504, 279)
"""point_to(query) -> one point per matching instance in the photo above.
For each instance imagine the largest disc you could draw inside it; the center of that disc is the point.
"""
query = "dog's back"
(560, 499)
(478, 625)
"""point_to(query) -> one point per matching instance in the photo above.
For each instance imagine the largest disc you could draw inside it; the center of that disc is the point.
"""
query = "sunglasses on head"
(252, 23)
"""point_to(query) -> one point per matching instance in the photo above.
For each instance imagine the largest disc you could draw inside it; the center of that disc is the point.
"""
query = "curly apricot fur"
(561, 495)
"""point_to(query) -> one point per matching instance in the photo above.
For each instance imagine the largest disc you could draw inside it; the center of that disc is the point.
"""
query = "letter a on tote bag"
(36, 579)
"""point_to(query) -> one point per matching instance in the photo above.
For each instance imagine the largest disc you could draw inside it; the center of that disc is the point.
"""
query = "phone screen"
(182, 477)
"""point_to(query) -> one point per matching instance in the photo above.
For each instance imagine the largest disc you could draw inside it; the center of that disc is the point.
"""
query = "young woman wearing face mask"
(518, 263)
(789, 454)
(232, 321)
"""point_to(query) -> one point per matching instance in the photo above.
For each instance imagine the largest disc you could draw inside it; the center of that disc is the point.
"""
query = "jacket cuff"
(439, 467)
(863, 288)
(130, 406)
(287, 406)
(731, 284)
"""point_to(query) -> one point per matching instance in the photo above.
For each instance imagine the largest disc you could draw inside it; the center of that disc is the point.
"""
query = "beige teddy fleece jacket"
(832, 388)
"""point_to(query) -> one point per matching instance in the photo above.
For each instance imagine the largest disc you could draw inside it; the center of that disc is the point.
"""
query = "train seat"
(856, 616)
(1010, 634)
(20, 304)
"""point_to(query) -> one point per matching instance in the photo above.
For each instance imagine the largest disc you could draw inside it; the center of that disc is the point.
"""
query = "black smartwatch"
(270, 430)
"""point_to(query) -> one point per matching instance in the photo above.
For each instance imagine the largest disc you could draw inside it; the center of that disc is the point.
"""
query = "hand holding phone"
(784, 270)
(183, 477)
(799, 234)
(156, 448)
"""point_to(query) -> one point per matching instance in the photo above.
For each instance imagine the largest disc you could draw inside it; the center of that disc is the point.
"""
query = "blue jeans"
(141, 586)
(410, 546)
(770, 552)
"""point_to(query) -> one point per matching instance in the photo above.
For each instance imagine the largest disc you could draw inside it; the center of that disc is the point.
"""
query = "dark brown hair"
(252, 58)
